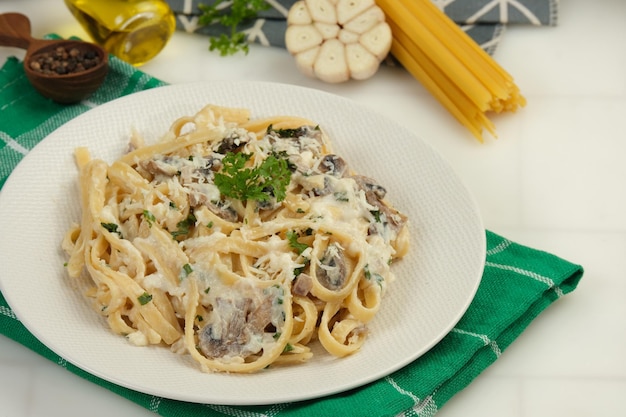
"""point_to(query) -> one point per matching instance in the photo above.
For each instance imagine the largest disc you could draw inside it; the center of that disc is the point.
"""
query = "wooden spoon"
(69, 87)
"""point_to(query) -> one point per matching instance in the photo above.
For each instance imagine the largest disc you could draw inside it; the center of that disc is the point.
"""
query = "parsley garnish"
(376, 276)
(292, 237)
(218, 13)
(187, 269)
(184, 226)
(112, 228)
(144, 298)
(149, 217)
(235, 180)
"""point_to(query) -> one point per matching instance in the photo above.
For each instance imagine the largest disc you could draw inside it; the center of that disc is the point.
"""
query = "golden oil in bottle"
(133, 30)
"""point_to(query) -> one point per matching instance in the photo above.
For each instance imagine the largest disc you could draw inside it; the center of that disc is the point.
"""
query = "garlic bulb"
(335, 40)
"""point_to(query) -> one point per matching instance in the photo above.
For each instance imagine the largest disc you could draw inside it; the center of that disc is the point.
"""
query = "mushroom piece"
(332, 270)
(199, 197)
(231, 327)
(333, 165)
(231, 143)
(374, 194)
(160, 167)
(337, 40)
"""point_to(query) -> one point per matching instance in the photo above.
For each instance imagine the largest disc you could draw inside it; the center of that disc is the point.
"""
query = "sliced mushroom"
(226, 333)
(373, 191)
(224, 211)
(332, 270)
(326, 189)
(333, 165)
(374, 194)
(232, 325)
(231, 143)
(163, 166)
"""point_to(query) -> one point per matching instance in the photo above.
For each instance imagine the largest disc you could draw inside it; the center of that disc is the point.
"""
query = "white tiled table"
(554, 180)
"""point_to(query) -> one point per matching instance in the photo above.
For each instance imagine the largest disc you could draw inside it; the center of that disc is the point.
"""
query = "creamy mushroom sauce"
(243, 319)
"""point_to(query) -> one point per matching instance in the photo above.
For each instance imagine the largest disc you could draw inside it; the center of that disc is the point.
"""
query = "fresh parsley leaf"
(184, 226)
(149, 217)
(112, 228)
(144, 298)
(292, 237)
(230, 15)
(235, 180)
(187, 269)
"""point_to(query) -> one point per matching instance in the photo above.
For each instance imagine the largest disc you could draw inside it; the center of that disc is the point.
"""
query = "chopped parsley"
(341, 196)
(369, 275)
(184, 226)
(235, 180)
(149, 217)
(187, 269)
(292, 237)
(144, 298)
(112, 228)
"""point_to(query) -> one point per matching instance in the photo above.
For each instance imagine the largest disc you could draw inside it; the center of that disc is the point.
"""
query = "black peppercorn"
(64, 61)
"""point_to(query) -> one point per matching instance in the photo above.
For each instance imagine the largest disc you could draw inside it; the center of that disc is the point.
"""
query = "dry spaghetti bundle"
(461, 75)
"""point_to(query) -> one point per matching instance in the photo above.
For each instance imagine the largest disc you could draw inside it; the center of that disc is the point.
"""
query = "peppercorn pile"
(64, 61)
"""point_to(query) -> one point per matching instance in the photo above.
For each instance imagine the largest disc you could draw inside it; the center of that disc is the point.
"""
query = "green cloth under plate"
(517, 285)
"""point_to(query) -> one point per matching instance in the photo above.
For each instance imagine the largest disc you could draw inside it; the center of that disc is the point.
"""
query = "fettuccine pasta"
(237, 241)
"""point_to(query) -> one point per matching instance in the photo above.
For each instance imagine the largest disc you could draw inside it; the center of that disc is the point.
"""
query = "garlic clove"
(305, 61)
(330, 65)
(366, 20)
(328, 31)
(377, 40)
(299, 38)
(348, 9)
(299, 14)
(361, 63)
(322, 11)
(347, 37)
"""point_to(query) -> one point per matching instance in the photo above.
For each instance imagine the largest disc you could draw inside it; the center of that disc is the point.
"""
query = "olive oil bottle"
(133, 30)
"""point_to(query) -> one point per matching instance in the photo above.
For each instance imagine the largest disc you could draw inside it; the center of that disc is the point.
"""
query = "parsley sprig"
(235, 180)
(219, 13)
(292, 237)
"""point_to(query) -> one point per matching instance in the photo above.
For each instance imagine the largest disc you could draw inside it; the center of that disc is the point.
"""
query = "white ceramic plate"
(435, 282)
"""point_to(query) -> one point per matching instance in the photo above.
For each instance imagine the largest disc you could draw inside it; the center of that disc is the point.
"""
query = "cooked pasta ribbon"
(302, 254)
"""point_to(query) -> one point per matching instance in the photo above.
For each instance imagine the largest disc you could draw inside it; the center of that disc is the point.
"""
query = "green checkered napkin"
(518, 284)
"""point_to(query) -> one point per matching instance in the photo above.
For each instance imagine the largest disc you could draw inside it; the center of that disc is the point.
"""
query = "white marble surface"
(554, 180)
